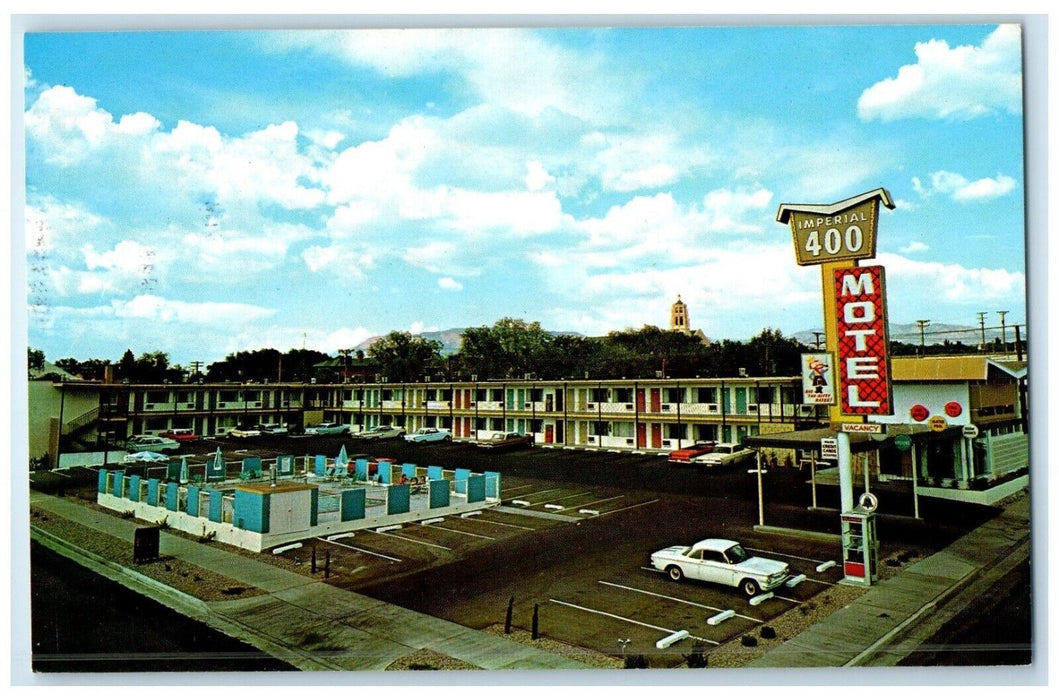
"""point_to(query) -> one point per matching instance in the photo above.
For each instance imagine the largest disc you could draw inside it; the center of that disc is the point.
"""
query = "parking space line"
(552, 500)
(537, 493)
(631, 621)
(676, 600)
(816, 580)
(497, 522)
(618, 510)
(460, 532)
(789, 600)
(509, 489)
(592, 503)
(781, 554)
(358, 549)
(409, 539)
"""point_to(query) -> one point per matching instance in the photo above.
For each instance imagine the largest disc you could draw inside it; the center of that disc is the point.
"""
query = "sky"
(206, 192)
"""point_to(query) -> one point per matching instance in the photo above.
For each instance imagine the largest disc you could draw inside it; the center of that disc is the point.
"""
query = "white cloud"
(915, 247)
(537, 177)
(964, 82)
(51, 225)
(450, 284)
(950, 282)
(960, 189)
(209, 313)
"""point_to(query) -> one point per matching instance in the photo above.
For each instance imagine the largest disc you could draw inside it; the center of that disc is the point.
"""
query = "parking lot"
(571, 542)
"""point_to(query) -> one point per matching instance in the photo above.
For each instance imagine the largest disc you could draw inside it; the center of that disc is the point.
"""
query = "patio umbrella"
(183, 470)
(342, 459)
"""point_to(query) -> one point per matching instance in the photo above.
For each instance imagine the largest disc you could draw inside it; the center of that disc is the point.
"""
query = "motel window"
(480, 395)
(536, 395)
(676, 431)
(599, 427)
(706, 394)
(157, 397)
(623, 395)
(625, 429)
(598, 395)
(674, 395)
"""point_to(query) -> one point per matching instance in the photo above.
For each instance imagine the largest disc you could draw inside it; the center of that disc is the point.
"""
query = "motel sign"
(863, 365)
(841, 231)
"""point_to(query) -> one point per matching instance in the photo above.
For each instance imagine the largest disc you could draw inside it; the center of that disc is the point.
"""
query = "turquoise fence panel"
(314, 507)
(361, 469)
(251, 468)
(408, 471)
(398, 499)
(118, 486)
(320, 465)
(216, 503)
(172, 492)
(492, 485)
(439, 492)
(215, 468)
(285, 465)
(250, 511)
(134, 487)
(353, 504)
(193, 501)
(461, 480)
(172, 470)
(476, 488)
(152, 492)
(435, 473)
(384, 473)
(101, 481)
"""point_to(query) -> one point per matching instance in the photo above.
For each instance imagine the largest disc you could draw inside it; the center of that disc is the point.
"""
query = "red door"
(641, 435)
(549, 434)
(641, 400)
(656, 400)
(656, 435)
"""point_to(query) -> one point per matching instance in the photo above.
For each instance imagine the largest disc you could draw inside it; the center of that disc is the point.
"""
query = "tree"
(36, 359)
(403, 357)
(511, 347)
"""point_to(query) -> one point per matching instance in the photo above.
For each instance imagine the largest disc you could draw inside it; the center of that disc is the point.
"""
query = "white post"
(915, 482)
(760, 494)
(845, 472)
(812, 474)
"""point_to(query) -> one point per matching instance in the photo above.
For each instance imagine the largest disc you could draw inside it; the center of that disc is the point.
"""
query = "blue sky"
(207, 192)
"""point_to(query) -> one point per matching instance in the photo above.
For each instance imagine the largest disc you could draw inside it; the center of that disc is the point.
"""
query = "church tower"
(678, 317)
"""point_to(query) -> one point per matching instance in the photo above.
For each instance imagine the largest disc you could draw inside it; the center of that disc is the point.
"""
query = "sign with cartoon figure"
(818, 378)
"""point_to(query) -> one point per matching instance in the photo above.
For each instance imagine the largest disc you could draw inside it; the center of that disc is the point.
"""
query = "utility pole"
(981, 324)
(922, 323)
(817, 335)
(1003, 332)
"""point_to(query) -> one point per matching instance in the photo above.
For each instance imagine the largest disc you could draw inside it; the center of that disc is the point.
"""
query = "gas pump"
(860, 543)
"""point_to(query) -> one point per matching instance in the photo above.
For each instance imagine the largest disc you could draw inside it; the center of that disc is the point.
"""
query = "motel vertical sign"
(836, 237)
(863, 360)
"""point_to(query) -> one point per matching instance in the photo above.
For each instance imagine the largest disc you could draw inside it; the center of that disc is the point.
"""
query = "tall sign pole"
(837, 237)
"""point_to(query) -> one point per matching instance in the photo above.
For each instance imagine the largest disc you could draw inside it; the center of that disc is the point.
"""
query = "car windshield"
(736, 554)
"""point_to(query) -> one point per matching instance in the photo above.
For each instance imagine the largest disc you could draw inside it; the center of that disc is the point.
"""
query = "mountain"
(934, 334)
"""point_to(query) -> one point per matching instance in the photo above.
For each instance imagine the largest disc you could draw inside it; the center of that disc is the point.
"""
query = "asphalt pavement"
(352, 632)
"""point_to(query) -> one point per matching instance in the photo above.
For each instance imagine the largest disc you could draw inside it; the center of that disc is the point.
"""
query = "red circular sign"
(919, 412)
(953, 409)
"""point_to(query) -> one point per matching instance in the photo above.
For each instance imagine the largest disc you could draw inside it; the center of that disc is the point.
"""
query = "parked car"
(721, 561)
(381, 432)
(272, 428)
(429, 435)
(724, 454)
(505, 441)
(327, 429)
(180, 435)
(151, 443)
(242, 432)
(686, 454)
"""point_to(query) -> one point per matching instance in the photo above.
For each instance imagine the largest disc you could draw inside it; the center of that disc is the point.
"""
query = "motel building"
(964, 417)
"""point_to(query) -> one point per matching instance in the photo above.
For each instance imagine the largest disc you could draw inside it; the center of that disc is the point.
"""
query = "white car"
(724, 562)
(327, 429)
(151, 443)
(723, 454)
(429, 435)
(244, 432)
(272, 428)
(381, 432)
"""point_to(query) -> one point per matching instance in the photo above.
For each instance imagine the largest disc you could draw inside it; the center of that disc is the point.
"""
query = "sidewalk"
(893, 617)
(307, 623)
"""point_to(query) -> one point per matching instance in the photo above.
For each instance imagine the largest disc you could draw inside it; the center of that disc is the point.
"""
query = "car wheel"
(750, 587)
(675, 573)
(447, 438)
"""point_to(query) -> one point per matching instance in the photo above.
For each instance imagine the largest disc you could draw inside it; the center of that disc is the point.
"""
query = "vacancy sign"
(863, 363)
